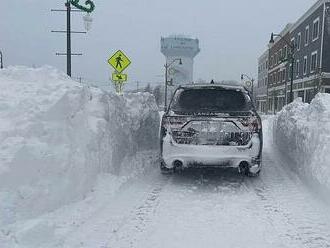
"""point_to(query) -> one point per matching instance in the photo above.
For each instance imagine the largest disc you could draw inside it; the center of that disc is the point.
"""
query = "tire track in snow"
(132, 228)
(305, 228)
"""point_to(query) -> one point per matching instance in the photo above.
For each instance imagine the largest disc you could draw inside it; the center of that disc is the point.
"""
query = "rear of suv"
(211, 126)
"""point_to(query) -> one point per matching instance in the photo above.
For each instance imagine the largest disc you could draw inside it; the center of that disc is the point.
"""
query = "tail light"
(253, 123)
(170, 123)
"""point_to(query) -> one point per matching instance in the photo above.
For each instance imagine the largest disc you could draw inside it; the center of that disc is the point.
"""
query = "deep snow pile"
(58, 138)
(302, 133)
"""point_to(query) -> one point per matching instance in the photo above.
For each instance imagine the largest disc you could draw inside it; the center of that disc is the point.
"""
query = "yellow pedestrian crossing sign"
(119, 77)
(119, 61)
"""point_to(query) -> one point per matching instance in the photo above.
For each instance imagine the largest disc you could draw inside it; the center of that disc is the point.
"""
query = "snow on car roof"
(223, 86)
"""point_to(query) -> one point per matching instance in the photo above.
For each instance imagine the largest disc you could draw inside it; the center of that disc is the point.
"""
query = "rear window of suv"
(210, 100)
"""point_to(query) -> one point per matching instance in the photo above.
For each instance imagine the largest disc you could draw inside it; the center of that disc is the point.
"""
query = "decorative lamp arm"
(83, 8)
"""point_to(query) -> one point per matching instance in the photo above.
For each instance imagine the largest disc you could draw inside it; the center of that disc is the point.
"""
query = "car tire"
(164, 170)
(251, 174)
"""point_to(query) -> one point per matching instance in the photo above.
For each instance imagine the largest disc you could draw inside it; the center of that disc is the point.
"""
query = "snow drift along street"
(302, 134)
(57, 137)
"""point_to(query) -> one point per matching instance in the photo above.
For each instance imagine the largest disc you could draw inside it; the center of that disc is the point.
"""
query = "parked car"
(211, 126)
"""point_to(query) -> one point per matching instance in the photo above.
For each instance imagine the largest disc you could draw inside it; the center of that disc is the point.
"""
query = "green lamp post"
(88, 8)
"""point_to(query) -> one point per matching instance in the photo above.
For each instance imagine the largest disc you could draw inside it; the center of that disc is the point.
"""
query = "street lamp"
(167, 66)
(88, 7)
(88, 20)
(1, 61)
(252, 82)
(291, 45)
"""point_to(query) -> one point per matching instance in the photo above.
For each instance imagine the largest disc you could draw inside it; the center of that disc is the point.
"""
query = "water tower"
(175, 47)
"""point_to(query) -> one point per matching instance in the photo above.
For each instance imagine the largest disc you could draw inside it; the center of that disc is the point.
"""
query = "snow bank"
(302, 133)
(58, 137)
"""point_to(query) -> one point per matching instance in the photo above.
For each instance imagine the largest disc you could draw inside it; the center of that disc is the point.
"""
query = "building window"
(279, 76)
(284, 75)
(306, 35)
(271, 61)
(316, 27)
(298, 41)
(305, 65)
(297, 68)
(285, 52)
(271, 79)
(313, 61)
(290, 71)
(275, 56)
(275, 78)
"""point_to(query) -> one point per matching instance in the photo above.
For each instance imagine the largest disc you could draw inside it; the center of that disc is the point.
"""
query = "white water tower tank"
(175, 47)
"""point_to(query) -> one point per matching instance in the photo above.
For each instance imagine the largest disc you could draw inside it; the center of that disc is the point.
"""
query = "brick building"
(310, 39)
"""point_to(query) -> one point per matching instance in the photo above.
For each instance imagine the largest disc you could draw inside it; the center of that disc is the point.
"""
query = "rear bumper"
(211, 156)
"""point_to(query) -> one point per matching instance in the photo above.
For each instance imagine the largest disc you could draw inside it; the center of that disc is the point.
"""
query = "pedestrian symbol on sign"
(119, 61)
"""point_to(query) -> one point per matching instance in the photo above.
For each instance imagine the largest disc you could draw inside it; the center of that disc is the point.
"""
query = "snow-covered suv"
(211, 126)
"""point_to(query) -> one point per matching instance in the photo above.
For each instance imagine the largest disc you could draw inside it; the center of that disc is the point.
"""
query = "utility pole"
(68, 37)
(1, 60)
(252, 90)
(88, 20)
(167, 66)
(166, 82)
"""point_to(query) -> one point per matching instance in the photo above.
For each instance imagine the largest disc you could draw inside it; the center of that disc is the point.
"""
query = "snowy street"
(211, 210)
(168, 126)
(195, 209)
(106, 190)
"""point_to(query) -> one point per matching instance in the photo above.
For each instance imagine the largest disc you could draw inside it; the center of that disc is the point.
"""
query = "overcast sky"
(232, 34)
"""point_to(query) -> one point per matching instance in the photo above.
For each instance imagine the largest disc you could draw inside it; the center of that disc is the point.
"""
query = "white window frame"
(307, 36)
(297, 67)
(298, 41)
(318, 29)
(293, 41)
(305, 68)
(312, 54)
